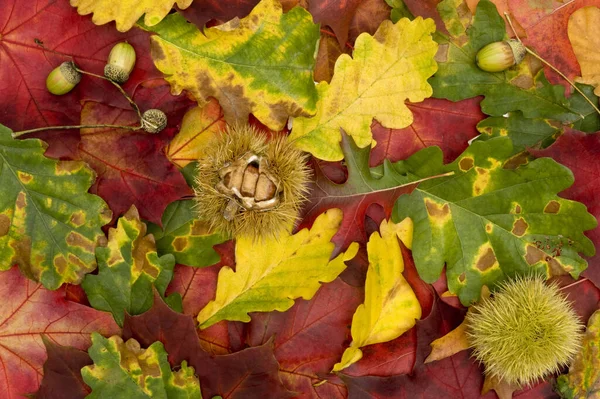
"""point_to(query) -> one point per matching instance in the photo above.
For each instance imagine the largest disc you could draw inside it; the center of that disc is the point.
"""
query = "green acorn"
(154, 120)
(250, 185)
(63, 78)
(524, 332)
(121, 61)
(499, 56)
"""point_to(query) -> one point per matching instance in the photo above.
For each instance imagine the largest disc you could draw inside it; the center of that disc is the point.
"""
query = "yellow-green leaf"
(387, 69)
(270, 274)
(126, 12)
(49, 224)
(584, 34)
(261, 64)
(391, 307)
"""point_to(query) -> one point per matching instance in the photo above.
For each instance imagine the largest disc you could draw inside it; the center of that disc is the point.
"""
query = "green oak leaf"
(187, 238)
(261, 64)
(583, 379)
(522, 88)
(128, 269)
(49, 224)
(487, 222)
(124, 370)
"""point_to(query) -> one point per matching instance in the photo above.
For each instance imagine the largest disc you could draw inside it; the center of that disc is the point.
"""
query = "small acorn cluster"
(120, 64)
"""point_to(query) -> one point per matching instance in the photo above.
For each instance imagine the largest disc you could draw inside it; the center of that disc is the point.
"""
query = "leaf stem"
(550, 65)
(41, 129)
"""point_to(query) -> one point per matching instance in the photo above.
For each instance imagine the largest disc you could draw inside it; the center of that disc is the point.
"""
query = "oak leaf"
(202, 11)
(584, 34)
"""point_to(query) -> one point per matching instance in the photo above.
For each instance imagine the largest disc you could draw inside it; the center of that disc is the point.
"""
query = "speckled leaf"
(523, 88)
(487, 222)
(49, 224)
(270, 274)
(583, 379)
(387, 69)
(261, 64)
(391, 307)
(124, 370)
(186, 237)
(126, 12)
(128, 269)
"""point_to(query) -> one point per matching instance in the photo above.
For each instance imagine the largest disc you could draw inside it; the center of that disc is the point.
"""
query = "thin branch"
(41, 129)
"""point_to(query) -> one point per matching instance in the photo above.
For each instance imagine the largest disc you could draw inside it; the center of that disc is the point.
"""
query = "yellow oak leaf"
(391, 307)
(126, 12)
(270, 274)
(387, 69)
(584, 34)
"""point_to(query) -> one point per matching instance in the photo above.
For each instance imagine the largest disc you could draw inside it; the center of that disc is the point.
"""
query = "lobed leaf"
(584, 34)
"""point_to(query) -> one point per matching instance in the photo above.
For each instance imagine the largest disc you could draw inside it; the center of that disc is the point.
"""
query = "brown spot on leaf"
(80, 265)
(156, 50)
(523, 81)
(60, 264)
(180, 243)
(67, 167)
(519, 227)
(442, 53)
(78, 218)
(520, 159)
(4, 225)
(24, 177)
(487, 260)
(535, 255)
(489, 227)
(465, 164)
(518, 209)
(462, 277)
(552, 207)
(22, 256)
(77, 240)
(200, 228)
(437, 211)
(21, 201)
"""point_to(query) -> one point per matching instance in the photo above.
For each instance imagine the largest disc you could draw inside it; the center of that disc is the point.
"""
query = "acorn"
(121, 61)
(63, 78)
(525, 331)
(154, 120)
(250, 185)
(499, 56)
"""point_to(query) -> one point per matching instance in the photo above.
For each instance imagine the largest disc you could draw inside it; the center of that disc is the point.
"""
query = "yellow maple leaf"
(391, 307)
(388, 68)
(270, 274)
(126, 12)
(584, 34)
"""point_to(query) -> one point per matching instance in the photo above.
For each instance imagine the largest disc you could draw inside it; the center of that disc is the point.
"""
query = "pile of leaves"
(432, 180)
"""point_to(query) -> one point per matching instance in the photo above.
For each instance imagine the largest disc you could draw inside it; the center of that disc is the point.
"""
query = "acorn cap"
(63, 78)
(499, 56)
(115, 73)
(154, 120)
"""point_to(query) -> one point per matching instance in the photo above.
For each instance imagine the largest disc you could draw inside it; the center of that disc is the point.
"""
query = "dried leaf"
(584, 34)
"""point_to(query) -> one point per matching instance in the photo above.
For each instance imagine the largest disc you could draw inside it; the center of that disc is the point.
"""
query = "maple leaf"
(390, 306)
(62, 372)
(28, 311)
(124, 369)
(49, 224)
(583, 379)
(506, 221)
(202, 11)
(186, 237)
(527, 88)
(128, 269)
(235, 63)
(252, 371)
(37, 37)
(131, 166)
(265, 270)
(127, 12)
(387, 68)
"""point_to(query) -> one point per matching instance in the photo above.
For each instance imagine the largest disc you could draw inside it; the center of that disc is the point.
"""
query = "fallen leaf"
(584, 34)
(30, 311)
(202, 11)
(265, 270)
(49, 224)
(387, 69)
(129, 268)
(453, 342)
(391, 307)
(335, 14)
(235, 63)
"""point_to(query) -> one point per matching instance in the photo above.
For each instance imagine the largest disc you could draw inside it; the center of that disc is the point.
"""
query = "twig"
(41, 129)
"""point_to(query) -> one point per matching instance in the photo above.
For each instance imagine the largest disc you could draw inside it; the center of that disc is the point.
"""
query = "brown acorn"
(121, 61)
(499, 56)
(63, 78)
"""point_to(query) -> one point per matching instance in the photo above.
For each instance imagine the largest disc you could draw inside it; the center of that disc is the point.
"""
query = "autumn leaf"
(30, 311)
(335, 14)
(235, 63)
(186, 237)
(127, 12)
(583, 379)
(124, 369)
(49, 224)
(270, 274)
(506, 221)
(390, 306)
(584, 31)
(129, 268)
(202, 11)
(387, 69)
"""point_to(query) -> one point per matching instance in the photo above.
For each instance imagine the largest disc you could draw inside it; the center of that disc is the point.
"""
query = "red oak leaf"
(203, 11)
(131, 165)
(28, 311)
(337, 14)
(36, 37)
(62, 372)
(580, 152)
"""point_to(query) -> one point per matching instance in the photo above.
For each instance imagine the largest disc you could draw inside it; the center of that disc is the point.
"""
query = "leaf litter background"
(45, 334)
